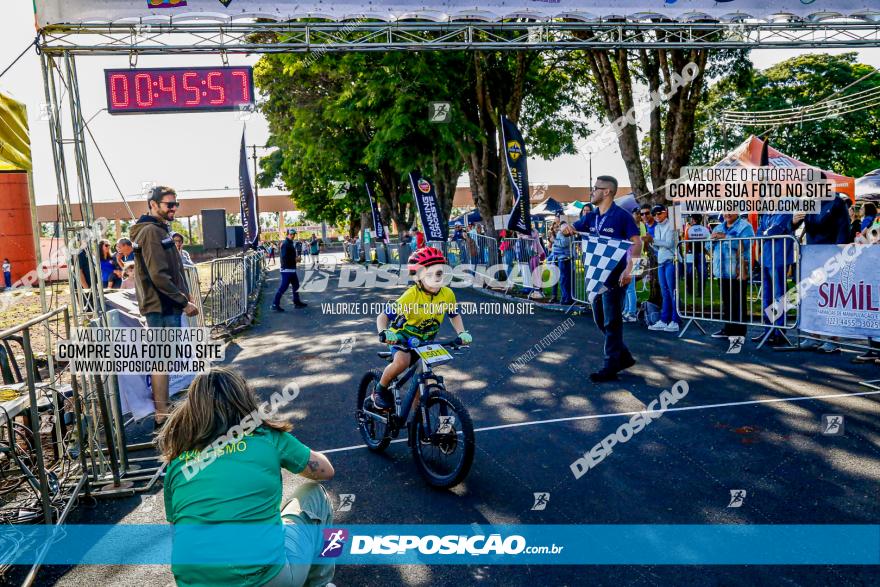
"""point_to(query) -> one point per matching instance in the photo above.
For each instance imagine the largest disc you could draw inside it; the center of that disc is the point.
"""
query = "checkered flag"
(601, 256)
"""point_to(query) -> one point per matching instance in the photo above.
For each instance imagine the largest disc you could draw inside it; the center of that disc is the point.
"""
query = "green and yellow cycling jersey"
(419, 313)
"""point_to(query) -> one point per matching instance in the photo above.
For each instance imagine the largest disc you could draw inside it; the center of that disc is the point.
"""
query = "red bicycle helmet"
(425, 257)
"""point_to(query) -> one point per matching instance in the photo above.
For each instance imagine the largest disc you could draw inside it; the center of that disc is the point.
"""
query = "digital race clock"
(135, 91)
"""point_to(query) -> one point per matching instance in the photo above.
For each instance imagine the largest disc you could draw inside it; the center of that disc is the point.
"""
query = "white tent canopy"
(868, 186)
(81, 11)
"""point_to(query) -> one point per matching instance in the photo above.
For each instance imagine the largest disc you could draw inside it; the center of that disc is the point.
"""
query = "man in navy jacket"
(288, 273)
(610, 220)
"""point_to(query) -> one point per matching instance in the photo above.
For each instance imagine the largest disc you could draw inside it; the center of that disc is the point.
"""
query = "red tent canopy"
(751, 153)
(755, 152)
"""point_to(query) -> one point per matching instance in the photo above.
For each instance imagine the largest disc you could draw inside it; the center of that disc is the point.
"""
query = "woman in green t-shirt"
(225, 454)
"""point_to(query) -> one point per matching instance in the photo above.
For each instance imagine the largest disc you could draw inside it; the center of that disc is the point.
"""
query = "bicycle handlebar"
(414, 342)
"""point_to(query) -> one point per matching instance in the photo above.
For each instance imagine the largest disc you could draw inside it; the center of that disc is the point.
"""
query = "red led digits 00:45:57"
(185, 89)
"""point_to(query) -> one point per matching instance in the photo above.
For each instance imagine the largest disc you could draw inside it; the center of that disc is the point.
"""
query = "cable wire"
(20, 55)
(798, 115)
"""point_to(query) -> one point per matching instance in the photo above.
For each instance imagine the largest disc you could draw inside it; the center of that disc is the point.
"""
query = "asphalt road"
(679, 470)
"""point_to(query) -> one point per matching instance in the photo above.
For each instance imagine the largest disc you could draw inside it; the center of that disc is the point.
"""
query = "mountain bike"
(439, 429)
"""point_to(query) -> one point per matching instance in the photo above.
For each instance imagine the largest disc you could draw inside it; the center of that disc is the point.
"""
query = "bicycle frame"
(420, 372)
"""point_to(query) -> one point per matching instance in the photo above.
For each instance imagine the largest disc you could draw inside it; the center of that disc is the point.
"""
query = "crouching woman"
(234, 485)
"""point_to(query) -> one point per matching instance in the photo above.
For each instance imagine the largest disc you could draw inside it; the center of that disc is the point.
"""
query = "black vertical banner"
(515, 150)
(426, 201)
(249, 211)
(377, 220)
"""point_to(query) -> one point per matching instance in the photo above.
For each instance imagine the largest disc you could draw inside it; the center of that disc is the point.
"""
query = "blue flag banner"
(429, 211)
(381, 234)
(246, 544)
(517, 169)
(249, 210)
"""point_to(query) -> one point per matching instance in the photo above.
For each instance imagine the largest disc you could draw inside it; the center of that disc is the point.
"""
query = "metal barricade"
(195, 291)
(487, 257)
(737, 282)
(227, 297)
(442, 245)
(487, 250)
(255, 268)
(346, 252)
(578, 274)
(522, 254)
(400, 253)
(382, 253)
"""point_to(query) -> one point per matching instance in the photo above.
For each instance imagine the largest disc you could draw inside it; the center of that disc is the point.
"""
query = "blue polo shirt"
(615, 223)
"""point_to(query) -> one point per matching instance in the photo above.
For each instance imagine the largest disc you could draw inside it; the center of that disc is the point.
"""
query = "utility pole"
(254, 157)
(590, 160)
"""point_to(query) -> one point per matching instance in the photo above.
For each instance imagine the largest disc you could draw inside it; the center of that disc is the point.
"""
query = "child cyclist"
(418, 313)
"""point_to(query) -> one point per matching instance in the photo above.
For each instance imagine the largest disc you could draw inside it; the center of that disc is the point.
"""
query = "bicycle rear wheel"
(374, 432)
(444, 454)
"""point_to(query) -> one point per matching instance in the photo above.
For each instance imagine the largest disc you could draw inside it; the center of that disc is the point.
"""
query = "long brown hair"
(216, 401)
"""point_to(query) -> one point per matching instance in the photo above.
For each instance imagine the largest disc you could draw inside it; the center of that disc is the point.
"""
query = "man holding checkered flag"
(610, 247)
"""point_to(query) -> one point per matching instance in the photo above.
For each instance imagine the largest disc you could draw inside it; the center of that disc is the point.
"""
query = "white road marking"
(619, 414)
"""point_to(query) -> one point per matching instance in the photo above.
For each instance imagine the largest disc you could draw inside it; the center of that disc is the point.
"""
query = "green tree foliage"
(344, 119)
(356, 117)
(536, 91)
(661, 140)
(843, 143)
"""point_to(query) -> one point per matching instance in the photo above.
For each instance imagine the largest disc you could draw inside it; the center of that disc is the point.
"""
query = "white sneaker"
(671, 327)
(658, 326)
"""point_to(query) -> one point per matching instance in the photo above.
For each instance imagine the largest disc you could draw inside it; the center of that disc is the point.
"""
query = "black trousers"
(733, 295)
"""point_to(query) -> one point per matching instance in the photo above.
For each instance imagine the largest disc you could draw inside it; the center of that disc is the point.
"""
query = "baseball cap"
(291, 231)
(658, 208)
(636, 210)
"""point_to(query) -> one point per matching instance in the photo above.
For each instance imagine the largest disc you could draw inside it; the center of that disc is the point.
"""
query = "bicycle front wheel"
(445, 453)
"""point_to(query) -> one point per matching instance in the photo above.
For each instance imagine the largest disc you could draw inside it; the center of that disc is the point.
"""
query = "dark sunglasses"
(172, 205)
(646, 213)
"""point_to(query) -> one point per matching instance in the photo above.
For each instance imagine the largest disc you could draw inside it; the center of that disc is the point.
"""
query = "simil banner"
(429, 211)
(381, 235)
(515, 148)
(839, 291)
(249, 210)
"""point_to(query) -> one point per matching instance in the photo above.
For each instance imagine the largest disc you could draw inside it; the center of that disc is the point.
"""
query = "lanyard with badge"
(596, 225)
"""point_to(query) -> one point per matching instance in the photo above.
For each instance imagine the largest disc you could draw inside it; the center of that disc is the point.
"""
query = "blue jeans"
(608, 315)
(564, 266)
(7, 279)
(666, 274)
(631, 303)
(303, 517)
(772, 288)
(159, 320)
(508, 262)
(287, 279)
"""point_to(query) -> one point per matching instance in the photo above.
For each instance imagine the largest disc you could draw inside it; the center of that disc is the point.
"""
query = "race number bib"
(433, 353)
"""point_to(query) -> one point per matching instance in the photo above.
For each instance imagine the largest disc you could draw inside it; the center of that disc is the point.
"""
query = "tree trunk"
(389, 193)
(354, 224)
(445, 179)
(670, 133)
(485, 162)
